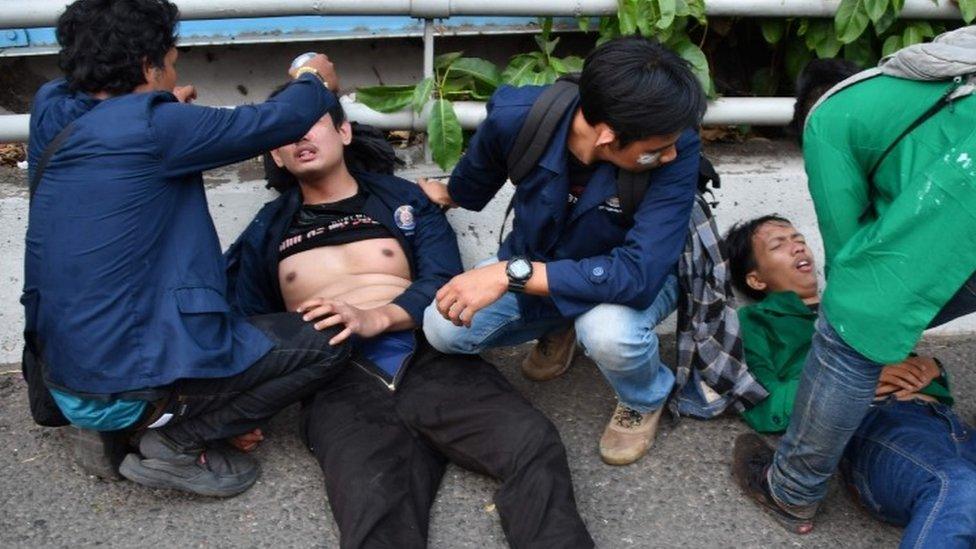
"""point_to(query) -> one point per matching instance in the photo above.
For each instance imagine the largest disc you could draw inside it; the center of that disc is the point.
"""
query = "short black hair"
(640, 89)
(742, 255)
(813, 81)
(104, 43)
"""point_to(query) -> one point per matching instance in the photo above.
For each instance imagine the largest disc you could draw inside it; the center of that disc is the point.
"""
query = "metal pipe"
(44, 13)
(758, 111)
(428, 72)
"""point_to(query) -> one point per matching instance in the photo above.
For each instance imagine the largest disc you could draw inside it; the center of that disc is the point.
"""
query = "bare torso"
(365, 274)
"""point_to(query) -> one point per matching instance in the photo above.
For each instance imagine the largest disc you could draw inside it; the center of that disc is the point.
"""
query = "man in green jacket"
(898, 231)
(910, 462)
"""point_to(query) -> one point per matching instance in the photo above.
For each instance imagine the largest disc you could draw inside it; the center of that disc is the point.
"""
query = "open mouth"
(804, 265)
(305, 153)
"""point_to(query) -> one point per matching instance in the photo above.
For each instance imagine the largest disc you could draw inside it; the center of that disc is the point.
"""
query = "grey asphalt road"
(680, 495)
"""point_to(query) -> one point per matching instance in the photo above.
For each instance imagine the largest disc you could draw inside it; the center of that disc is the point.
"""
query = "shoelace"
(628, 418)
(544, 346)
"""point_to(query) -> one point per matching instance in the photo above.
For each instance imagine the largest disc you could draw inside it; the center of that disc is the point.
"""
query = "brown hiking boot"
(551, 356)
(751, 458)
(629, 435)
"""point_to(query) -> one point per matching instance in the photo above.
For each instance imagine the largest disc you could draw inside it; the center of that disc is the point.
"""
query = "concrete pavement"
(680, 495)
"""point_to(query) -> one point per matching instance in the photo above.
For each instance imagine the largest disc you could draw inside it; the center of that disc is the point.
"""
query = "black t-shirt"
(579, 177)
(330, 224)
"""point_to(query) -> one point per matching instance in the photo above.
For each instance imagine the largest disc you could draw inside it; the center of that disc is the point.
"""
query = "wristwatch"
(310, 70)
(519, 271)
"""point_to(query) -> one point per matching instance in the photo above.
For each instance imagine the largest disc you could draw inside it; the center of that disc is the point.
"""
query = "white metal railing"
(760, 111)
(771, 111)
(41, 13)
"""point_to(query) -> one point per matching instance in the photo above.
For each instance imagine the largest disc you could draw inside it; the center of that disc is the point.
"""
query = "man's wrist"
(313, 71)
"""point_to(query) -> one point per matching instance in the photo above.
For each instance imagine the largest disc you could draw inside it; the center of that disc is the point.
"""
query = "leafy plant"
(540, 67)
(668, 21)
(456, 78)
(862, 31)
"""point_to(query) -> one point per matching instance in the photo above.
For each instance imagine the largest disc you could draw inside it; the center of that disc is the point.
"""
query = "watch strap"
(311, 70)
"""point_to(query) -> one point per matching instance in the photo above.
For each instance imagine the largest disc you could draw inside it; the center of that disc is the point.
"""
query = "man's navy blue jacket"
(401, 206)
(592, 256)
(124, 276)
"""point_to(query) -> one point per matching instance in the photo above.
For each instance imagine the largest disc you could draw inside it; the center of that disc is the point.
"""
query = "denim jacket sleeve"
(633, 273)
(193, 138)
(483, 169)
(436, 258)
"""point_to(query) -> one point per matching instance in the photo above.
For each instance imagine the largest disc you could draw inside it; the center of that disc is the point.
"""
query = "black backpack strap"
(52, 148)
(535, 134)
(631, 188)
(539, 125)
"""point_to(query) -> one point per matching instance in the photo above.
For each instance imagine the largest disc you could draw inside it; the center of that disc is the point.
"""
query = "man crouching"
(367, 252)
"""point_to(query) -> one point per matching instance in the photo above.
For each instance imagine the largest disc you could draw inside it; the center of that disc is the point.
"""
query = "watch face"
(519, 269)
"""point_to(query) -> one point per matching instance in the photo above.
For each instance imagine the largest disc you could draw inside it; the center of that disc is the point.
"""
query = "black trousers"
(300, 362)
(383, 453)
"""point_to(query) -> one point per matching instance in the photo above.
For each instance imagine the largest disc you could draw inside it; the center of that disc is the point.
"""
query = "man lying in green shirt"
(910, 462)
(891, 171)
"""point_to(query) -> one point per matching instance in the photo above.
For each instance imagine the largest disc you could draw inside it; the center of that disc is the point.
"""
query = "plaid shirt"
(708, 327)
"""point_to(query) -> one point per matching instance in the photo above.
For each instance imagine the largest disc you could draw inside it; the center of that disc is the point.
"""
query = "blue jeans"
(620, 340)
(835, 392)
(913, 464)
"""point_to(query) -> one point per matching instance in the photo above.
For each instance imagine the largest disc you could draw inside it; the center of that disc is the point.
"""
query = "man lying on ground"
(889, 162)
(912, 461)
(124, 281)
(364, 253)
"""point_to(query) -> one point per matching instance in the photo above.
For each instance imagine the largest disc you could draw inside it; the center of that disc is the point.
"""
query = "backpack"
(951, 56)
(536, 133)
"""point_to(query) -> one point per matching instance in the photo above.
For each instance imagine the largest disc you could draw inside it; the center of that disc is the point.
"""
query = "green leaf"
(696, 9)
(876, 9)
(477, 68)
(765, 82)
(816, 32)
(627, 16)
(797, 57)
(546, 25)
(386, 98)
(699, 63)
(861, 52)
(583, 23)
(802, 28)
(830, 46)
(573, 63)
(667, 9)
(897, 5)
(443, 61)
(444, 134)
(891, 44)
(457, 83)
(917, 32)
(647, 16)
(546, 46)
(772, 30)
(519, 70)
(884, 23)
(421, 93)
(851, 20)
